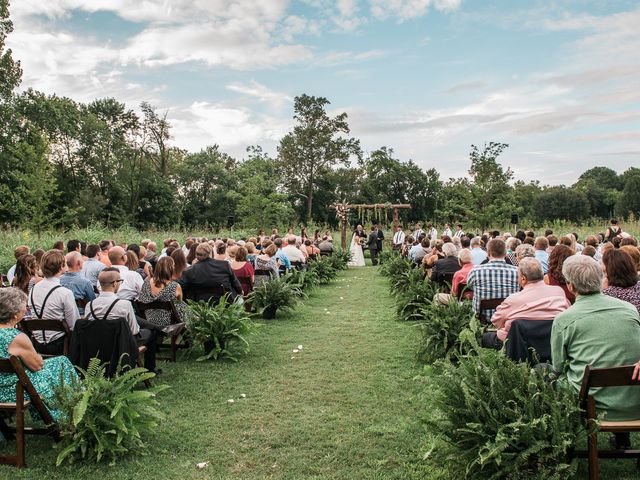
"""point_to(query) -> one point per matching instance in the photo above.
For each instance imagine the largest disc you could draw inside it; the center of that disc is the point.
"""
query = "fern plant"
(105, 418)
(340, 259)
(498, 419)
(221, 329)
(442, 330)
(304, 280)
(324, 269)
(414, 293)
(274, 295)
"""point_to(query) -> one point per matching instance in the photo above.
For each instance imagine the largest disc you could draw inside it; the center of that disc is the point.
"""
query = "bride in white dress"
(357, 256)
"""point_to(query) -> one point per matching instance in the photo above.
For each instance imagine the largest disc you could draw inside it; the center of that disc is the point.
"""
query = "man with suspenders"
(108, 306)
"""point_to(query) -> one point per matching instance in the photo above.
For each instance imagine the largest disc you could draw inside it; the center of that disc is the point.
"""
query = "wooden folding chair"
(36, 324)
(464, 292)
(170, 307)
(600, 378)
(488, 304)
(13, 365)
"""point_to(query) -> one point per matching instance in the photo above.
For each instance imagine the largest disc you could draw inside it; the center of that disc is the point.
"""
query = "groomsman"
(380, 234)
(372, 243)
(418, 231)
(398, 238)
(433, 233)
(447, 230)
(459, 232)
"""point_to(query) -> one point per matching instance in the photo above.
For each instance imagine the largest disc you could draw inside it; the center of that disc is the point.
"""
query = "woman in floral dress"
(162, 287)
(45, 375)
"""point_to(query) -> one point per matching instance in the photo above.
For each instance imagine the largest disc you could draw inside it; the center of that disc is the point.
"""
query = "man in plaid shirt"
(494, 279)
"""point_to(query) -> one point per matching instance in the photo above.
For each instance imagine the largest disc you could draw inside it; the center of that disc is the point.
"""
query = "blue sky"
(557, 80)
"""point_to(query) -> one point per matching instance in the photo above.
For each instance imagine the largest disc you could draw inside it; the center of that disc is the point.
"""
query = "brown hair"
(20, 251)
(132, 262)
(26, 269)
(628, 241)
(553, 240)
(52, 263)
(556, 259)
(496, 248)
(620, 269)
(271, 250)
(589, 250)
(634, 253)
(164, 271)
(179, 262)
(241, 254)
(192, 253)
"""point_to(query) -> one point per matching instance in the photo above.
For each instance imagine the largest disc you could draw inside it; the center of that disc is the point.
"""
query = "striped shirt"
(495, 279)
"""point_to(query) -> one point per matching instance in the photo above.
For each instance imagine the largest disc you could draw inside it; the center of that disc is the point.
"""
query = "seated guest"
(621, 277)
(325, 246)
(144, 267)
(553, 241)
(109, 307)
(634, 252)
(541, 244)
(92, 266)
(152, 255)
(243, 270)
(419, 255)
(477, 253)
(292, 252)
(444, 269)
(524, 250)
(589, 251)
(221, 252)
(300, 246)
(58, 245)
(17, 253)
(495, 279)
(74, 246)
(51, 301)
(208, 276)
(557, 258)
(282, 257)
(74, 281)
(267, 261)
(180, 263)
(131, 280)
(26, 273)
(105, 247)
(436, 254)
(251, 251)
(536, 301)
(465, 260)
(45, 375)
(312, 250)
(600, 331)
(512, 243)
(191, 256)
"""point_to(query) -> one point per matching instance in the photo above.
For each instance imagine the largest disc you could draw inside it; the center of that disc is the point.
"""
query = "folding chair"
(35, 324)
(13, 365)
(488, 304)
(176, 325)
(601, 378)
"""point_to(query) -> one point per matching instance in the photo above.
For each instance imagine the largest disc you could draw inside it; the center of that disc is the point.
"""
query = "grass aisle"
(345, 407)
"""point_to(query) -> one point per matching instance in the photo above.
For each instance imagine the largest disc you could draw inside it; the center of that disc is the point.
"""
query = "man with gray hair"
(444, 269)
(536, 301)
(600, 331)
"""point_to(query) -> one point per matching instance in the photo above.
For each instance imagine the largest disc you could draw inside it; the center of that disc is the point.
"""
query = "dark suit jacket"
(444, 269)
(210, 279)
(372, 241)
(380, 239)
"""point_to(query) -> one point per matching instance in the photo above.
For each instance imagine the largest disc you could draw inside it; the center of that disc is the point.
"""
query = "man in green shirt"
(600, 331)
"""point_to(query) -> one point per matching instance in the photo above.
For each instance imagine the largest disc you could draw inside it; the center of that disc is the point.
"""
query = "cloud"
(408, 9)
(261, 93)
(472, 85)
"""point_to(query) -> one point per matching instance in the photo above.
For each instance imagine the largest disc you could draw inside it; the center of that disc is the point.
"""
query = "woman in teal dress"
(45, 375)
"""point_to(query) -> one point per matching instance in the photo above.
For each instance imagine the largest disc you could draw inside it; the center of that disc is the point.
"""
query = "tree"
(601, 185)
(10, 71)
(629, 202)
(158, 128)
(491, 196)
(561, 203)
(524, 196)
(315, 144)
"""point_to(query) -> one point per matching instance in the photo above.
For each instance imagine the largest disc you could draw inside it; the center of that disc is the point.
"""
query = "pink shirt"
(460, 277)
(536, 301)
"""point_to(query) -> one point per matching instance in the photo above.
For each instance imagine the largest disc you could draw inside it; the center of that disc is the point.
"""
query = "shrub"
(304, 280)
(394, 266)
(413, 293)
(324, 269)
(340, 259)
(105, 417)
(442, 330)
(221, 329)
(275, 294)
(501, 420)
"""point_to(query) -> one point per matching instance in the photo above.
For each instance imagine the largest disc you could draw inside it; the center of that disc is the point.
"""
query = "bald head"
(109, 279)
(73, 261)
(117, 256)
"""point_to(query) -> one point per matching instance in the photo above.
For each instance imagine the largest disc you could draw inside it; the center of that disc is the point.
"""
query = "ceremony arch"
(343, 209)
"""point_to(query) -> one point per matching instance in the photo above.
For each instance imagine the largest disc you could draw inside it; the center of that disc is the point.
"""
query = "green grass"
(347, 407)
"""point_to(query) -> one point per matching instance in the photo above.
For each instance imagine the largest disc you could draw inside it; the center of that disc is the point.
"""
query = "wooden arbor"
(342, 212)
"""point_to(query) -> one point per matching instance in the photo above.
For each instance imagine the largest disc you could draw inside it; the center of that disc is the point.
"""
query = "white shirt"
(131, 285)
(398, 237)
(459, 234)
(61, 305)
(294, 254)
(447, 232)
(122, 309)
(433, 233)
(417, 233)
(11, 273)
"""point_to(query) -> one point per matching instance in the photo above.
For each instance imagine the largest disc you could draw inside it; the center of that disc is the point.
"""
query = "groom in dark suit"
(372, 243)
(380, 234)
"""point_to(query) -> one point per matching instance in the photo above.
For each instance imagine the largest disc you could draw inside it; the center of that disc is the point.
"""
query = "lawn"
(348, 406)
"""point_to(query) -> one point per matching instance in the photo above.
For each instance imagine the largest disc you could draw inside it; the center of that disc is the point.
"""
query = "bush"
(442, 330)
(324, 269)
(501, 420)
(303, 280)
(394, 267)
(414, 294)
(340, 259)
(275, 294)
(105, 417)
(221, 329)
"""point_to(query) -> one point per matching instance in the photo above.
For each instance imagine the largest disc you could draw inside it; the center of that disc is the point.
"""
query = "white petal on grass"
(243, 395)
(202, 465)
(295, 350)
(299, 347)
(231, 400)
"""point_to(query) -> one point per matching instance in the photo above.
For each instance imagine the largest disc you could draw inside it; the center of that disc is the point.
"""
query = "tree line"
(64, 162)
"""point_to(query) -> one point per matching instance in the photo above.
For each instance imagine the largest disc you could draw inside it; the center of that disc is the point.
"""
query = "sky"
(559, 81)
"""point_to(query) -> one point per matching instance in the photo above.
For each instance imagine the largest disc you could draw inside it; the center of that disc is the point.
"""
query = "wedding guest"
(204, 279)
(465, 259)
(326, 246)
(92, 266)
(17, 253)
(477, 253)
(541, 244)
(26, 273)
(179, 262)
(131, 280)
(74, 281)
(266, 261)
(555, 277)
(621, 277)
(444, 269)
(162, 287)
(243, 270)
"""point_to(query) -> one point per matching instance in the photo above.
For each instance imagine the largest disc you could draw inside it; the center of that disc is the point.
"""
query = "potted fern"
(221, 329)
(273, 295)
